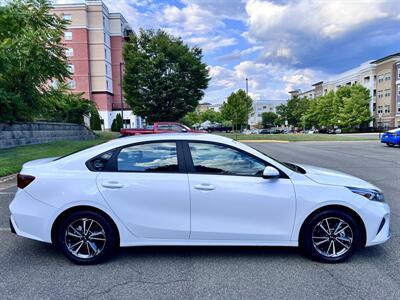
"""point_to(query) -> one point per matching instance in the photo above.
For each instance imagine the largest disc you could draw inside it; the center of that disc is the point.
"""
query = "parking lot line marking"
(262, 141)
(6, 193)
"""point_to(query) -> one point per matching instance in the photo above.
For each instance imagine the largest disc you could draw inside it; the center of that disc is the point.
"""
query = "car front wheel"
(331, 236)
(86, 237)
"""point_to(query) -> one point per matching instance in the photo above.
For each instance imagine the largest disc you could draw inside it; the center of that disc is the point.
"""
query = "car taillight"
(24, 180)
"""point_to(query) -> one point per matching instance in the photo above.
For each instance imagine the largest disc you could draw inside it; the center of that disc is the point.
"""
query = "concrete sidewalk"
(7, 182)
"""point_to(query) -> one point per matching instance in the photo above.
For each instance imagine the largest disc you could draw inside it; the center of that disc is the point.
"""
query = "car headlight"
(373, 195)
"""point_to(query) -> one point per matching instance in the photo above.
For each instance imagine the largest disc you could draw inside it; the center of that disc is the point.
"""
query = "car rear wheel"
(390, 144)
(86, 237)
(331, 236)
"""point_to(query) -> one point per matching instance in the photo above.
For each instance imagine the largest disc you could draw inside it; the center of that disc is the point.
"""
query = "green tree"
(117, 123)
(294, 110)
(190, 119)
(31, 54)
(355, 111)
(95, 121)
(269, 119)
(237, 108)
(211, 115)
(164, 78)
(61, 105)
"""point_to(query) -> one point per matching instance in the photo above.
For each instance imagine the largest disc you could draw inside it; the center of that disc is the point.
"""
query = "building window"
(107, 84)
(105, 53)
(106, 69)
(380, 78)
(71, 68)
(387, 93)
(67, 17)
(387, 76)
(380, 94)
(380, 110)
(69, 52)
(387, 109)
(68, 35)
(72, 84)
(398, 71)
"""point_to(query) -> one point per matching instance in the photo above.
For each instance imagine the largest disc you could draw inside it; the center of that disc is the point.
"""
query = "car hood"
(332, 177)
(38, 162)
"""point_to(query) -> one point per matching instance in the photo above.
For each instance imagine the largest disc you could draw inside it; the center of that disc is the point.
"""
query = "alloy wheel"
(85, 238)
(332, 237)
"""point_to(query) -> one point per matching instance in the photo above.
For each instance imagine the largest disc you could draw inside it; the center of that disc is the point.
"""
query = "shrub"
(95, 121)
(117, 123)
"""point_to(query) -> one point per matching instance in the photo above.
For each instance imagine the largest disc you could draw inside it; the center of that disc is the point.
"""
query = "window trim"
(191, 168)
(112, 164)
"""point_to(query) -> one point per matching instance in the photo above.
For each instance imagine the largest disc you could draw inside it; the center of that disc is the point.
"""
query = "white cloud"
(211, 43)
(284, 28)
(266, 81)
(191, 18)
(238, 54)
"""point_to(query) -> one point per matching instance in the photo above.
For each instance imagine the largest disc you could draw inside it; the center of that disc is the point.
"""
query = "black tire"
(91, 240)
(313, 227)
(390, 144)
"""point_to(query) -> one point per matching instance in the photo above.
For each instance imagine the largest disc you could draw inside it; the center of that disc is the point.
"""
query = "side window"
(218, 159)
(177, 128)
(100, 162)
(163, 127)
(153, 157)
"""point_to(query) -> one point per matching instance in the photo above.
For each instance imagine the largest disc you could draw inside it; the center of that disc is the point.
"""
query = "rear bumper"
(31, 218)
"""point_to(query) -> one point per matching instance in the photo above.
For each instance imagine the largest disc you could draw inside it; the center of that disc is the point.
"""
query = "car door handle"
(204, 187)
(112, 185)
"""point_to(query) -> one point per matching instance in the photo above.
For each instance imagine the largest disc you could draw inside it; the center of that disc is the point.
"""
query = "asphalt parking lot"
(30, 269)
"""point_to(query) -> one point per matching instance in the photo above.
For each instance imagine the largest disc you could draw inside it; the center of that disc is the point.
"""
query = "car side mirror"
(270, 172)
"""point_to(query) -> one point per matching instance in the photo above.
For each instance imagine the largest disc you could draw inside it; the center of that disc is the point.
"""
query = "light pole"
(122, 97)
(247, 94)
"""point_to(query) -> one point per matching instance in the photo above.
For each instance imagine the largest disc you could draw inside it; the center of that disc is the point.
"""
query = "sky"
(279, 45)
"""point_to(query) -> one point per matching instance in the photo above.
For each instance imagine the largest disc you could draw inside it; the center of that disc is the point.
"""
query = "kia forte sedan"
(193, 189)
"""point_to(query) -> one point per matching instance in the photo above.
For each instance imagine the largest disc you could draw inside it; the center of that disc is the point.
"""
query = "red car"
(159, 127)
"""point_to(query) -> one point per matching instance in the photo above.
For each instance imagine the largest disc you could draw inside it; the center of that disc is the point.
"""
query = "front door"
(230, 200)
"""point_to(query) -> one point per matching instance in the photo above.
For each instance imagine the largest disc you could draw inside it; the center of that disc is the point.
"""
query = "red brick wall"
(80, 60)
(116, 59)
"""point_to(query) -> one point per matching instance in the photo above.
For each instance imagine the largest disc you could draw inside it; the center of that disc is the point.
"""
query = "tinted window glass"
(164, 127)
(177, 128)
(154, 157)
(218, 159)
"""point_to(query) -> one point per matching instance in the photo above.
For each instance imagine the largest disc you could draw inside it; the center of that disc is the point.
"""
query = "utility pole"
(247, 94)
(122, 97)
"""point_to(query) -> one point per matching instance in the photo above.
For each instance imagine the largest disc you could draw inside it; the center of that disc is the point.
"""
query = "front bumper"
(377, 223)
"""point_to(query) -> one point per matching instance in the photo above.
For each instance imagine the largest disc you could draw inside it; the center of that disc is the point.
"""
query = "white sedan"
(193, 189)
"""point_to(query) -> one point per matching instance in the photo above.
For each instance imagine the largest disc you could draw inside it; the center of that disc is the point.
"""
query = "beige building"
(381, 77)
(387, 112)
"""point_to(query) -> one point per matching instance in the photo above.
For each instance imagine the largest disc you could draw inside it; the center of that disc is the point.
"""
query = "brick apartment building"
(381, 77)
(94, 41)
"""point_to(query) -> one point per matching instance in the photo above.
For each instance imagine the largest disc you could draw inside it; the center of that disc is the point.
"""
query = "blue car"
(391, 137)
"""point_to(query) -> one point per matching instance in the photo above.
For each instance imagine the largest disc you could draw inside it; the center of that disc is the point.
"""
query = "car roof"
(115, 143)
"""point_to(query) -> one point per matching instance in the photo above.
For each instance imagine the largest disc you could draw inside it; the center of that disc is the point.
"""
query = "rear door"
(148, 189)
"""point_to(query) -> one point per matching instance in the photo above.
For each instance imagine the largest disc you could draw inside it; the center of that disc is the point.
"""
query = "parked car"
(391, 137)
(193, 189)
(159, 127)
(264, 131)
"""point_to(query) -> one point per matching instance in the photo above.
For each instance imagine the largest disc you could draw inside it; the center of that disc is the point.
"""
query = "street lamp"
(122, 97)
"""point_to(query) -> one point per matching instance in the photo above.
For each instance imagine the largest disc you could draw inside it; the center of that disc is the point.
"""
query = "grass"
(297, 137)
(11, 160)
